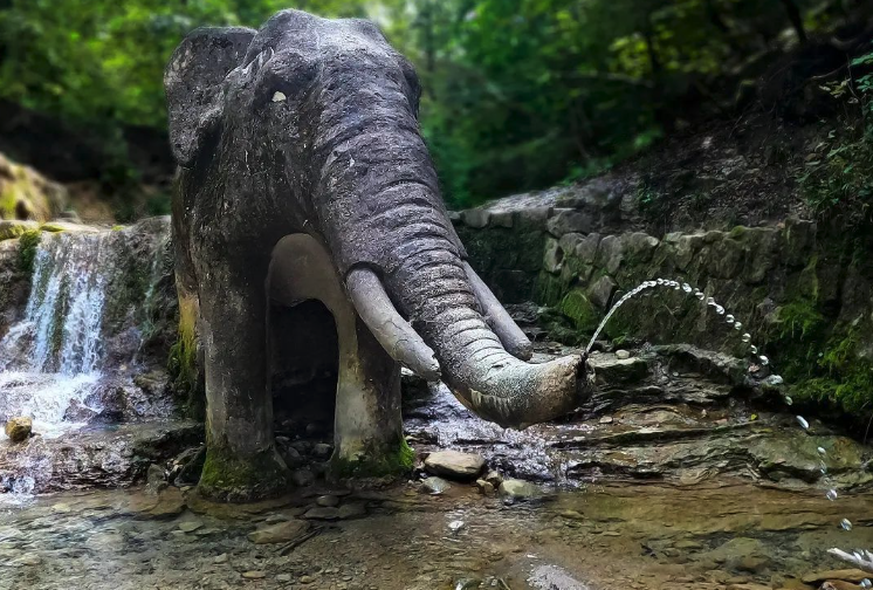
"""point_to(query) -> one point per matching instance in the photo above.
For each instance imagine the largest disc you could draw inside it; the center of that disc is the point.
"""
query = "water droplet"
(747, 338)
(660, 281)
(675, 286)
(803, 423)
(719, 310)
(788, 400)
(846, 524)
(699, 294)
(831, 495)
(738, 326)
(711, 301)
(823, 469)
(686, 287)
(866, 583)
(764, 360)
(730, 319)
(753, 349)
(822, 451)
(456, 525)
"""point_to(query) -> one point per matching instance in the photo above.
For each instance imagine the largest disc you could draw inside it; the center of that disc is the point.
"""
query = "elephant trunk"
(453, 313)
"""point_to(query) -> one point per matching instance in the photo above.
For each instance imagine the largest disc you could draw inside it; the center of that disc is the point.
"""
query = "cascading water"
(72, 358)
(861, 558)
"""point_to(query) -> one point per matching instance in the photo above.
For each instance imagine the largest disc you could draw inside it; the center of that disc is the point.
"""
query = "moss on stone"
(375, 462)
(230, 478)
(27, 246)
(579, 309)
(182, 364)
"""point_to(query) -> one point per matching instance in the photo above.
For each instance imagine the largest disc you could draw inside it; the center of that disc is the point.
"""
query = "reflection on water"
(616, 536)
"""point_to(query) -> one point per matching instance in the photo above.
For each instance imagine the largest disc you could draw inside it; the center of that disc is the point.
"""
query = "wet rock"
(281, 532)
(853, 575)
(322, 513)
(435, 485)
(19, 429)
(254, 575)
(455, 465)
(327, 501)
(189, 526)
(493, 477)
(516, 490)
(302, 478)
(156, 479)
(610, 370)
(188, 466)
(352, 510)
(485, 487)
(322, 450)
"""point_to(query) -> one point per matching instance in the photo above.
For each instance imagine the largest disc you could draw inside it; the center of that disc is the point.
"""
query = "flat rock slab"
(455, 465)
(279, 533)
(846, 575)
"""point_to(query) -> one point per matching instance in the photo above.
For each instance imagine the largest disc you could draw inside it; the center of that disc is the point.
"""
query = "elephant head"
(321, 119)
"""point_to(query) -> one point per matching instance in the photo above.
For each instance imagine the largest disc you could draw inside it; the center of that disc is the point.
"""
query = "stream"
(680, 471)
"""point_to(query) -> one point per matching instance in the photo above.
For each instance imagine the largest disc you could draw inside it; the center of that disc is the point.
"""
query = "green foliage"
(27, 245)
(838, 177)
(519, 94)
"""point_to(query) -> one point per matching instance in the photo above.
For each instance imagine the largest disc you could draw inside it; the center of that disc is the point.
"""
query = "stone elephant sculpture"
(303, 175)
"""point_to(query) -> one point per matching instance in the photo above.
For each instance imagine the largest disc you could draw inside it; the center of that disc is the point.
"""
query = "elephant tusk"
(513, 339)
(393, 332)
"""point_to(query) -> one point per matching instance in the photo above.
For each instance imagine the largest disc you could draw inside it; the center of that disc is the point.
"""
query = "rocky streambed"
(680, 472)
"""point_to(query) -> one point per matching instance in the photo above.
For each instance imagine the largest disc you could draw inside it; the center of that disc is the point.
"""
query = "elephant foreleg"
(241, 459)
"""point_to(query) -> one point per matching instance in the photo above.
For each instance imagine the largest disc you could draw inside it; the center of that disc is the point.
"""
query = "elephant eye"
(286, 76)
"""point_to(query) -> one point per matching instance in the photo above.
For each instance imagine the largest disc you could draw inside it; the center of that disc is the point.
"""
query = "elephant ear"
(193, 83)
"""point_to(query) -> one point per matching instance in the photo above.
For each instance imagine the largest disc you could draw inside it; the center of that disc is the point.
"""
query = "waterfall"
(83, 324)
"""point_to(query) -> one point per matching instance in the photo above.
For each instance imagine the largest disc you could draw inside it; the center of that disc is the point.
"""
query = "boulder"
(26, 194)
(455, 465)
(601, 292)
(279, 533)
(19, 429)
(847, 575)
(435, 485)
(565, 221)
(516, 490)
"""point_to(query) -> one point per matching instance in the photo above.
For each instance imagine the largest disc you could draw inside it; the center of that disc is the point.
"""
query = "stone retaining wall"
(802, 291)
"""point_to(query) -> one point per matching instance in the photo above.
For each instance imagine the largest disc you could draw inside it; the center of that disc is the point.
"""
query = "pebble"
(306, 579)
(254, 575)
(220, 558)
(327, 501)
(622, 354)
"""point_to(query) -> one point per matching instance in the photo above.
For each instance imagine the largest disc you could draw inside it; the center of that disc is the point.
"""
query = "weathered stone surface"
(10, 229)
(611, 253)
(601, 292)
(639, 246)
(553, 256)
(610, 370)
(564, 221)
(435, 485)
(322, 513)
(476, 218)
(327, 500)
(849, 575)
(517, 490)
(586, 250)
(281, 532)
(19, 428)
(455, 465)
(352, 510)
(26, 194)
